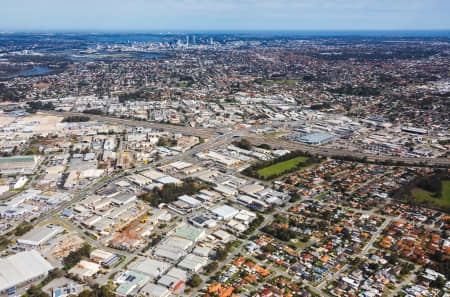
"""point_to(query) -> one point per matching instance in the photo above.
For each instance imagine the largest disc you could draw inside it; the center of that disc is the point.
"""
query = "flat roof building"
(414, 130)
(193, 263)
(18, 269)
(101, 256)
(189, 232)
(18, 165)
(224, 212)
(191, 201)
(173, 249)
(150, 267)
(170, 282)
(39, 236)
(85, 269)
(123, 198)
(130, 282)
(168, 180)
(154, 290)
(316, 138)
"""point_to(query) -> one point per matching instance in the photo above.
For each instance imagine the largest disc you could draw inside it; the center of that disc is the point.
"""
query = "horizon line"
(183, 31)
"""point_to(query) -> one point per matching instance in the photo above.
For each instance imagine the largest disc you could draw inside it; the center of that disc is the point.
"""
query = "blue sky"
(166, 15)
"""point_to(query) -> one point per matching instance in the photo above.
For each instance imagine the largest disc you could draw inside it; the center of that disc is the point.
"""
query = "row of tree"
(170, 192)
(356, 91)
(34, 106)
(75, 119)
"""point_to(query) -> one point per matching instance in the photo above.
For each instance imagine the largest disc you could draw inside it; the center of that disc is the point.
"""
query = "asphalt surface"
(274, 142)
(215, 138)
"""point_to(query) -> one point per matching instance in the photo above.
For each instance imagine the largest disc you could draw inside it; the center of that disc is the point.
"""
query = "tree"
(211, 267)
(265, 146)
(438, 283)
(75, 119)
(36, 292)
(195, 281)
(76, 256)
(170, 192)
(243, 144)
(221, 254)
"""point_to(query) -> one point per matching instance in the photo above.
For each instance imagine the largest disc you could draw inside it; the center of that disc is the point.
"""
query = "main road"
(273, 142)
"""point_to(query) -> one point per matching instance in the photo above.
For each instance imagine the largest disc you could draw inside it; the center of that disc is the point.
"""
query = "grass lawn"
(281, 167)
(299, 244)
(421, 195)
(274, 134)
(320, 197)
(279, 82)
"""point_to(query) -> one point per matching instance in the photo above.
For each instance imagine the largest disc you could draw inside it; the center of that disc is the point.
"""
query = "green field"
(421, 196)
(281, 167)
(279, 82)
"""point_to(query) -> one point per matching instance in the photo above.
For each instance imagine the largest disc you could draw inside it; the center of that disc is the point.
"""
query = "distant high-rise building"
(187, 41)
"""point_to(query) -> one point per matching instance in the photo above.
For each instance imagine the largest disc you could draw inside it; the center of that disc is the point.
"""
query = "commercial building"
(173, 249)
(414, 130)
(222, 235)
(150, 267)
(154, 290)
(192, 202)
(21, 268)
(39, 236)
(123, 198)
(224, 212)
(316, 138)
(18, 165)
(171, 282)
(130, 282)
(189, 232)
(193, 263)
(102, 257)
(85, 269)
(202, 251)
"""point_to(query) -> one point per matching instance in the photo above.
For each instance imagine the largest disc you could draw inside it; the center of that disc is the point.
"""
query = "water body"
(32, 72)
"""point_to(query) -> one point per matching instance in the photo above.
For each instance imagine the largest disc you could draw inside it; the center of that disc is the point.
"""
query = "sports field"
(280, 168)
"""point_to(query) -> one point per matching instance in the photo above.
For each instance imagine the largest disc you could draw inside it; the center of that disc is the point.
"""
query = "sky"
(185, 15)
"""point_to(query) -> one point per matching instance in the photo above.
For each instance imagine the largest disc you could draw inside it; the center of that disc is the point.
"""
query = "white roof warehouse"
(40, 235)
(21, 268)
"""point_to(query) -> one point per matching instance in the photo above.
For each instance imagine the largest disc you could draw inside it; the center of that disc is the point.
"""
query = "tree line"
(356, 91)
(170, 192)
(34, 106)
(75, 119)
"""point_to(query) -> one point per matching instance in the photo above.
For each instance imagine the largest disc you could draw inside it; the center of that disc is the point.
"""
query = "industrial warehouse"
(18, 269)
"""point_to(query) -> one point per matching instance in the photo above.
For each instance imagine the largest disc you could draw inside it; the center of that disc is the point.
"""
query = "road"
(201, 132)
(215, 139)
(411, 276)
(331, 152)
(257, 140)
(369, 245)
